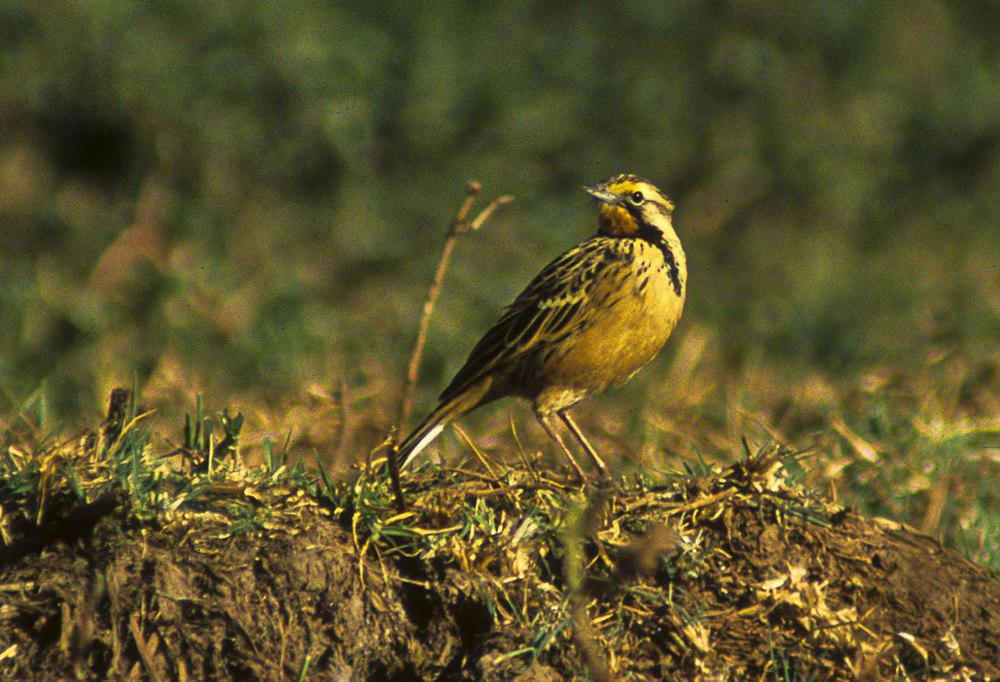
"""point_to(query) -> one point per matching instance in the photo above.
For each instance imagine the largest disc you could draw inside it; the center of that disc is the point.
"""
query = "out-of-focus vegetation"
(248, 199)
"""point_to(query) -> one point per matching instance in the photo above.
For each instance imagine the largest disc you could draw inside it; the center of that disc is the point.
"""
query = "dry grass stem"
(459, 225)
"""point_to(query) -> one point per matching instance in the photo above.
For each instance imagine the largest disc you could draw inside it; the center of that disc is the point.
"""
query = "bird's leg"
(543, 419)
(578, 434)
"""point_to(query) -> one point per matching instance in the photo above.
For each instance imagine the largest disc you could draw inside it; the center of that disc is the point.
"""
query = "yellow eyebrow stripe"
(625, 186)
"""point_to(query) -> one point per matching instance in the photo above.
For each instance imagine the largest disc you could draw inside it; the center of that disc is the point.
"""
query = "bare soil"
(734, 575)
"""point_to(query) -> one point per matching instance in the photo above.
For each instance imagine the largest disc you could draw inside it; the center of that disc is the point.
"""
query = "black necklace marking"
(653, 236)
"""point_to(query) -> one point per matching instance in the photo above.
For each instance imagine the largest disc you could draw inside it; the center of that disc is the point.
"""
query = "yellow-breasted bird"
(589, 320)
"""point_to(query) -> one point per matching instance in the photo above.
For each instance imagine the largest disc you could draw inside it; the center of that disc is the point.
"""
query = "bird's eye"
(637, 198)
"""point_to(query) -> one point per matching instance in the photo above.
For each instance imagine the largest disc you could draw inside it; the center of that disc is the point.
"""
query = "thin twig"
(482, 458)
(459, 225)
(343, 434)
(579, 522)
(472, 190)
(488, 211)
(397, 488)
(520, 449)
(703, 502)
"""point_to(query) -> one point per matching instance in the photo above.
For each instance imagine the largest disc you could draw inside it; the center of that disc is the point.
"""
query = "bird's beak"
(601, 194)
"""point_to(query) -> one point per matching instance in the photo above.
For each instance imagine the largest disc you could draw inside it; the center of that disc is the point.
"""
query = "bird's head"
(631, 206)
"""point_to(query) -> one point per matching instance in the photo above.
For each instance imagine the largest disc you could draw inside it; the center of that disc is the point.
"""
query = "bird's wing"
(551, 307)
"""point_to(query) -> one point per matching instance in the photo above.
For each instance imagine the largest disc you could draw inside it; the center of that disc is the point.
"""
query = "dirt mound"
(116, 564)
(192, 600)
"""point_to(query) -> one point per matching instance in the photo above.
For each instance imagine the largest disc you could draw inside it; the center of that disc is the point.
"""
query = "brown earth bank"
(158, 572)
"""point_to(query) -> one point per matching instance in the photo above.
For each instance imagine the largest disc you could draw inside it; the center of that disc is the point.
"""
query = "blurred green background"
(248, 199)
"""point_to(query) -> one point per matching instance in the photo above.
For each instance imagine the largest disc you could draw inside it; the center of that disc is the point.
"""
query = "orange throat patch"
(617, 222)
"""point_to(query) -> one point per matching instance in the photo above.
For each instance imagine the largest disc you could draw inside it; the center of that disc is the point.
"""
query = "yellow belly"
(628, 330)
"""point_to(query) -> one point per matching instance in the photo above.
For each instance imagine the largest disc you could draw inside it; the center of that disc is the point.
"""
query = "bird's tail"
(431, 427)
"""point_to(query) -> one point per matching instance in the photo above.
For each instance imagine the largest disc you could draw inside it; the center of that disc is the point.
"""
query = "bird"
(590, 319)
